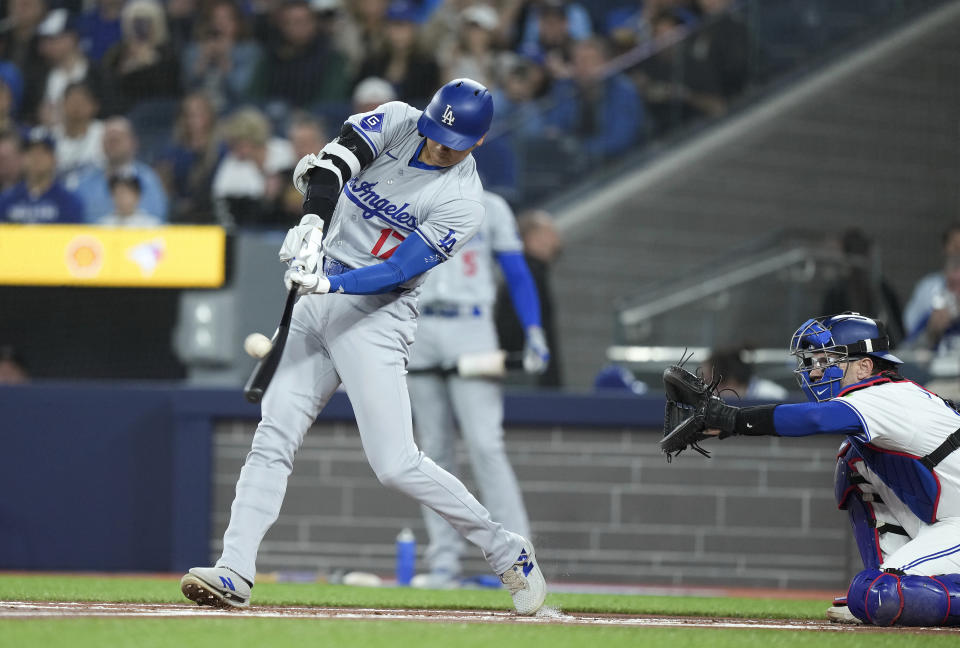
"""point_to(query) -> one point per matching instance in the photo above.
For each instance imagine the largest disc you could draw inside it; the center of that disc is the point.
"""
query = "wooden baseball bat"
(263, 373)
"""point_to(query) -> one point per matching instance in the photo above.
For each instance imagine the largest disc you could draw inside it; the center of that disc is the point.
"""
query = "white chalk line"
(60, 609)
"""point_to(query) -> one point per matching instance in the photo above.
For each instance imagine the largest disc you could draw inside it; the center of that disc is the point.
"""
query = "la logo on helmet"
(447, 116)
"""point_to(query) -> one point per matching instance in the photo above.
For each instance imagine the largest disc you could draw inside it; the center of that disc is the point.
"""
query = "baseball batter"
(456, 319)
(898, 475)
(401, 194)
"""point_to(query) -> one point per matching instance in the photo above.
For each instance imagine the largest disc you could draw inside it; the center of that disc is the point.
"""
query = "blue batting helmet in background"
(822, 343)
(458, 115)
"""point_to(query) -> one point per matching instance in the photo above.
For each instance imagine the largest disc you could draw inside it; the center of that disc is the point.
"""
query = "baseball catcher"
(897, 472)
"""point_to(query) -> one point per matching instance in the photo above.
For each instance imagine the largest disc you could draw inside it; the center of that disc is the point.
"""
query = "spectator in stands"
(125, 193)
(249, 179)
(370, 93)
(11, 94)
(224, 59)
(862, 288)
(409, 66)
(302, 68)
(658, 76)
(632, 26)
(39, 198)
(188, 165)
(99, 28)
(716, 63)
(474, 56)
(555, 38)
(13, 370)
(307, 135)
(120, 155)
(370, 17)
(182, 18)
(734, 368)
(711, 66)
(80, 135)
(604, 113)
(541, 247)
(11, 160)
(20, 44)
(525, 81)
(533, 20)
(143, 65)
(60, 46)
(336, 25)
(932, 315)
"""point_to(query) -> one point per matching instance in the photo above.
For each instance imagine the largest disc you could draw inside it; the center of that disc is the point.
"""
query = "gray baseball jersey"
(398, 196)
(363, 342)
(468, 279)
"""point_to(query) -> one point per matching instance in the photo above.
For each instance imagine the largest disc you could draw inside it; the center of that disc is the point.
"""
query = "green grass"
(270, 633)
(155, 590)
(171, 633)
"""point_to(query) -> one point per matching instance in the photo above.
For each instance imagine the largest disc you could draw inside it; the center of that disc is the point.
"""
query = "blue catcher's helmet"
(823, 343)
(458, 115)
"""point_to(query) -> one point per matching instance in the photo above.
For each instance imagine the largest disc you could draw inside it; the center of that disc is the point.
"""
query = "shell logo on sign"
(84, 257)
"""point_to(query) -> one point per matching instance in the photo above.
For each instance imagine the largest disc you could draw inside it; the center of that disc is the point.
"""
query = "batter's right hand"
(301, 245)
(307, 283)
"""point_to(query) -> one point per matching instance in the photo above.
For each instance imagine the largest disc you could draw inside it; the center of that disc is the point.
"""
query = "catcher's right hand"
(692, 408)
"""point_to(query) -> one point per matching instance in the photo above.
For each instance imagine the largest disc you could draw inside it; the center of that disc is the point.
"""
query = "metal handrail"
(637, 354)
(699, 289)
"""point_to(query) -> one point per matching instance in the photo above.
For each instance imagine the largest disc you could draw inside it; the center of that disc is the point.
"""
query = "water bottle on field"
(406, 556)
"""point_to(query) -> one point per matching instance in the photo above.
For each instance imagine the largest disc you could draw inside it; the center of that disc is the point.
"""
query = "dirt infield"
(56, 609)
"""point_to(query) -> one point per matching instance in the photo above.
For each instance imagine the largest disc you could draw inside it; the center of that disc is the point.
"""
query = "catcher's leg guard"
(862, 518)
(886, 598)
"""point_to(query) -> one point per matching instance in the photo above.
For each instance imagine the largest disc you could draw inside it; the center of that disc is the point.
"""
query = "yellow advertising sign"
(176, 256)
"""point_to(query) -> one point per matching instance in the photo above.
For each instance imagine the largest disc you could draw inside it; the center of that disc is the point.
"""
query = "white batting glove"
(536, 353)
(301, 245)
(307, 283)
(300, 180)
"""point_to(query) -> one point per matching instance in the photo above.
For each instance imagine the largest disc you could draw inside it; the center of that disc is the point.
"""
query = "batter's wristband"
(755, 421)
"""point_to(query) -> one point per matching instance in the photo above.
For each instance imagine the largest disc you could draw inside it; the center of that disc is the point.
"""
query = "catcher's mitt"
(692, 405)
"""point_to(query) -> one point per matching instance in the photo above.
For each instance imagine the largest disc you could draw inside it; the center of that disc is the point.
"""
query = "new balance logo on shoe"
(228, 582)
(524, 559)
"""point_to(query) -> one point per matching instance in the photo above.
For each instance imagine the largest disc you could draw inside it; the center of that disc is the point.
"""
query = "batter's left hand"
(536, 353)
(307, 283)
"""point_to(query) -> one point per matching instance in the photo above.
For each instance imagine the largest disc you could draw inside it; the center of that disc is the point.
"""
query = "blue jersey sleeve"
(523, 290)
(804, 419)
(411, 258)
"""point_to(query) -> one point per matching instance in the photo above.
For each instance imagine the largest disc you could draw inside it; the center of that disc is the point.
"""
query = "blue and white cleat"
(215, 586)
(525, 582)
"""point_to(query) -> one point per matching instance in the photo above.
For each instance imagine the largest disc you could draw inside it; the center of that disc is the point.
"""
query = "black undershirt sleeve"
(755, 421)
(323, 186)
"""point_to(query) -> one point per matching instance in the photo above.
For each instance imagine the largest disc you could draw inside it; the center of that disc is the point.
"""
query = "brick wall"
(604, 505)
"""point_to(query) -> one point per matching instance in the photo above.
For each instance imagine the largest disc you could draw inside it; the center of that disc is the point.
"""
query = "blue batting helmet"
(822, 343)
(458, 115)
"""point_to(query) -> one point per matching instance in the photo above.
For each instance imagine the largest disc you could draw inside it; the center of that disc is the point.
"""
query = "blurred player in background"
(401, 194)
(897, 475)
(456, 309)
(541, 247)
(730, 366)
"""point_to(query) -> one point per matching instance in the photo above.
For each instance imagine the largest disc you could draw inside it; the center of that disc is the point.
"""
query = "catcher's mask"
(826, 343)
